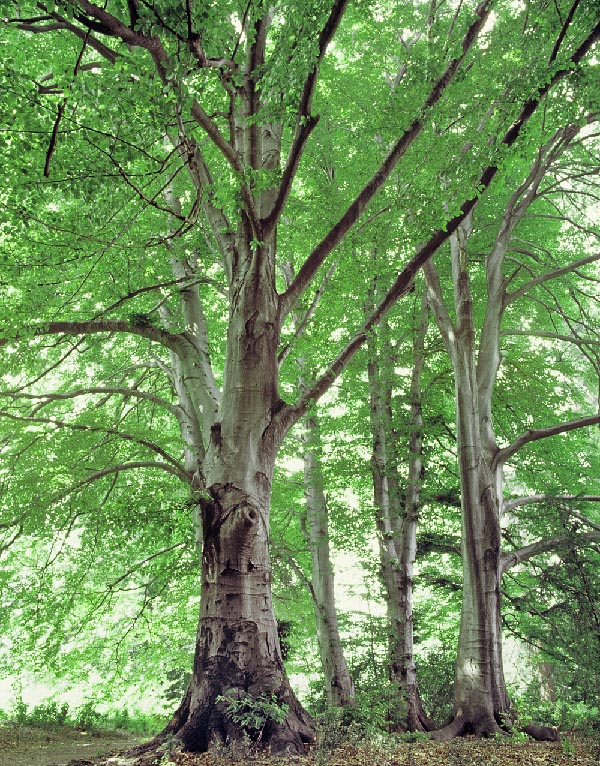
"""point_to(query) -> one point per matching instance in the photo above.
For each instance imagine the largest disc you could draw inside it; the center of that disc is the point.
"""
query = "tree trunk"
(481, 704)
(237, 647)
(339, 686)
(397, 521)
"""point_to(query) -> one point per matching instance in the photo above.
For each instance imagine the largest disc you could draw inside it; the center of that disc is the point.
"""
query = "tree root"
(455, 728)
(485, 726)
(541, 733)
(488, 726)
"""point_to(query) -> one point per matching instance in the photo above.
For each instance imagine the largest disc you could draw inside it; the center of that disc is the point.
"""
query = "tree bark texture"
(339, 686)
(481, 704)
(237, 647)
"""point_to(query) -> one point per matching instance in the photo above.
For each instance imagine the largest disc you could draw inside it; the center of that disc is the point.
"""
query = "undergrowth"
(89, 716)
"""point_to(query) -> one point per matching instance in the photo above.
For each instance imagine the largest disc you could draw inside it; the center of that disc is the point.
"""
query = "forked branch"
(291, 413)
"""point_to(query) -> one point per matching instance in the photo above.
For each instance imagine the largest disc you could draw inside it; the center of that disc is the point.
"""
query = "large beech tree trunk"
(481, 703)
(237, 647)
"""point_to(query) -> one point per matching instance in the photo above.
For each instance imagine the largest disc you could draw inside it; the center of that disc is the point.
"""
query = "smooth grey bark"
(314, 520)
(339, 686)
(237, 646)
(481, 703)
(397, 516)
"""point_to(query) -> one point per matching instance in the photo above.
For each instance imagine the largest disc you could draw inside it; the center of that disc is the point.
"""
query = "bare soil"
(56, 746)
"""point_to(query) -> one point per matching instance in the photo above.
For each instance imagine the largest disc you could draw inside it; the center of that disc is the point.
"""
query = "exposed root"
(455, 728)
(542, 733)
(461, 725)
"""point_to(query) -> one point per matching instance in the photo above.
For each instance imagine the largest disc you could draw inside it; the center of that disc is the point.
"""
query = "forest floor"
(25, 745)
(65, 746)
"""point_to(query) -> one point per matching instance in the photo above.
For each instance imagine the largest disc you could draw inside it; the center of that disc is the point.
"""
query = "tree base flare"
(489, 726)
(212, 726)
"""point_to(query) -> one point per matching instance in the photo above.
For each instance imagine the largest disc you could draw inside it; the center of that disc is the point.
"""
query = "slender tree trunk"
(339, 686)
(397, 520)
(481, 703)
(480, 697)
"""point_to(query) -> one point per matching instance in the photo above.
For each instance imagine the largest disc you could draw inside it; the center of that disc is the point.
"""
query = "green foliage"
(48, 713)
(567, 746)
(87, 716)
(53, 713)
(338, 726)
(413, 736)
(435, 672)
(253, 713)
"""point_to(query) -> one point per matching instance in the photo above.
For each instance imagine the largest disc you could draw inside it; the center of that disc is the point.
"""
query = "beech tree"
(397, 512)
(475, 350)
(158, 153)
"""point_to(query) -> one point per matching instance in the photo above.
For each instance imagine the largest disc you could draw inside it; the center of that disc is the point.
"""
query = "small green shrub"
(567, 747)
(253, 713)
(19, 710)
(413, 736)
(565, 714)
(86, 716)
(50, 713)
(47, 713)
(335, 727)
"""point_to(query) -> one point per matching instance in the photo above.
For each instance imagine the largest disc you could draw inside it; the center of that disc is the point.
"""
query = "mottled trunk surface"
(481, 704)
(237, 646)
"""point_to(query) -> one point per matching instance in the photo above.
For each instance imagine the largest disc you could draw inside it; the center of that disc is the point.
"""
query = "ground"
(56, 746)
(30, 746)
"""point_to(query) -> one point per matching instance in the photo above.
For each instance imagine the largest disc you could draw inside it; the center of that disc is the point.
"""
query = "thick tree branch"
(516, 294)
(535, 434)
(147, 331)
(111, 25)
(308, 270)
(228, 151)
(336, 234)
(305, 121)
(509, 560)
(60, 23)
